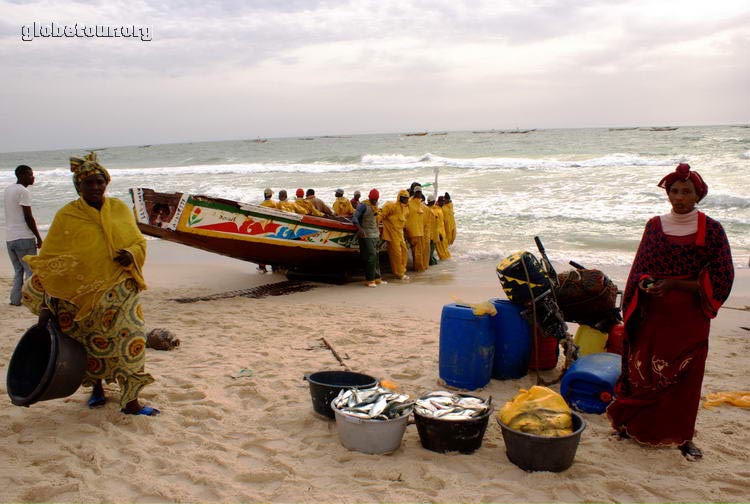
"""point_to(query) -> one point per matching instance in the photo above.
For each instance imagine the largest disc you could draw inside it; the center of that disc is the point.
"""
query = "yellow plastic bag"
(479, 309)
(540, 411)
(589, 340)
(737, 398)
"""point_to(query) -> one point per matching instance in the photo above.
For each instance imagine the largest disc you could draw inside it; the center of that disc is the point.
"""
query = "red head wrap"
(374, 194)
(300, 193)
(683, 174)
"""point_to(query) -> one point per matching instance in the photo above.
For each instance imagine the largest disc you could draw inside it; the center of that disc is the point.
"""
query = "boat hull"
(248, 232)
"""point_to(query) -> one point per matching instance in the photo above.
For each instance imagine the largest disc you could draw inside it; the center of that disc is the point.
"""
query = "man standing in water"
(21, 234)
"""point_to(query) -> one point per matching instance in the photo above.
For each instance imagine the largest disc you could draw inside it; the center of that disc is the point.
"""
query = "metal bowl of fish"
(371, 420)
(448, 421)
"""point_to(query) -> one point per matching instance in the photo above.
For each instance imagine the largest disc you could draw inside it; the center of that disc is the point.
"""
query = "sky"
(275, 68)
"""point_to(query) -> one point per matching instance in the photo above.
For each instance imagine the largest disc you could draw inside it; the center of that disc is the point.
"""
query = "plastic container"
(370, 436)
(512, 341)
(548, 353)
(467, 347)
(589, 340)
(46, 364)
(326, 385)
(464, 436)
(541, 453)
(589, 383)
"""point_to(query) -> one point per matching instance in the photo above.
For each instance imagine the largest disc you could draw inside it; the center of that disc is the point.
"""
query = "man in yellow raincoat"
(306, 204)
(433, 225)
(394, 215)
(286, 205)
(342, 206)
(267, 201)
(450, 219)
(441, 244)
(414, 229)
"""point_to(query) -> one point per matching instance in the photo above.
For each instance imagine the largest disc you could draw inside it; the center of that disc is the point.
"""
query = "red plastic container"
(548, 353)
(615, 339)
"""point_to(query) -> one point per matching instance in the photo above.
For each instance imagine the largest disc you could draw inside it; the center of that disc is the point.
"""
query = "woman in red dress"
(681, 275)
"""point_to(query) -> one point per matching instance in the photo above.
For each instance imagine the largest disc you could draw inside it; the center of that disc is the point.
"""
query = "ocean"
(587, 193)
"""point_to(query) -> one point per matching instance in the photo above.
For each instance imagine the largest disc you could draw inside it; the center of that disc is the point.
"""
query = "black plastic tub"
(541, 453)
(326, 385)
(46, 364)
(439, 435)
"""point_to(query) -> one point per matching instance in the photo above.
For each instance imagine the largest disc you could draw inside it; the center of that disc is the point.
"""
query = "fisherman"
(355, 200)
(441, 244)
(414, 228)
(426, 232)
(394, 214)
(342, 206)
(305, 205)
(366, 220)
(286, 205)
(267, 201)
(318, 203)
(433, 218)
(450, 219)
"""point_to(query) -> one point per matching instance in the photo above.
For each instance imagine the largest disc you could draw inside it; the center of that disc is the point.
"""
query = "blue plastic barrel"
(589, 383)
(467, 347)
(512, 341)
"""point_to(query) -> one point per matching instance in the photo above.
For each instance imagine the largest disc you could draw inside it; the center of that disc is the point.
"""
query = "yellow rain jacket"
(308, 207)
(450, 222)
(269, 204)
(343, 207)
(441, 243)
(394, 215)
(426, 234)
(414, 230)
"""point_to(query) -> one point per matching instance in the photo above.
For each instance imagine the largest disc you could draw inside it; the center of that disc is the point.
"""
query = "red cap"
(300, 193)
(374, 194)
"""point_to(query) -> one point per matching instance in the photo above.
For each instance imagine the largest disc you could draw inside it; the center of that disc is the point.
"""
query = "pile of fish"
(451, 406)
(376, 403)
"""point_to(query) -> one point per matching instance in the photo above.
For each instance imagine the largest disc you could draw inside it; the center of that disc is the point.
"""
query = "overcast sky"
(271, 68)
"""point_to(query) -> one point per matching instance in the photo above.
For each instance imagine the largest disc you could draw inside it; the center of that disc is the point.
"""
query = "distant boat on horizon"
(660, 128)
(260, 140)
(629, 128)
(423, 133)
(516, 131)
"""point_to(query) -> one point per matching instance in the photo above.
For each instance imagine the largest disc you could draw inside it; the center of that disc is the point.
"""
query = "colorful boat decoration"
(248, 232)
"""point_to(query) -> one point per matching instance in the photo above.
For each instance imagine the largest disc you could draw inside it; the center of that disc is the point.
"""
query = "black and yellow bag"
(522, 277)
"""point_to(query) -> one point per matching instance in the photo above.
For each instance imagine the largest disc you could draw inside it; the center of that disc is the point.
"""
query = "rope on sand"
(273, 289)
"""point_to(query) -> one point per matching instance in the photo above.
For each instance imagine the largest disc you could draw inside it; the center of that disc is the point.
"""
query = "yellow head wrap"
(82, 168)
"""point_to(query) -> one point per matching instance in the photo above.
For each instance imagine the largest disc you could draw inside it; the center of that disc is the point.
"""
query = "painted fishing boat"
(249, 232)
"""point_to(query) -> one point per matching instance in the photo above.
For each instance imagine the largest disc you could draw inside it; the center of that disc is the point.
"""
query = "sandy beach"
(257, 439)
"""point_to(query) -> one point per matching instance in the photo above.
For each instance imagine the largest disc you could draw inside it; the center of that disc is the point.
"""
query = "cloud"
(300, 61)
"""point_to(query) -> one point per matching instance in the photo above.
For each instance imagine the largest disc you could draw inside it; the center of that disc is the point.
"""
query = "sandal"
(146, 411)
(96, 400)
(690, 451)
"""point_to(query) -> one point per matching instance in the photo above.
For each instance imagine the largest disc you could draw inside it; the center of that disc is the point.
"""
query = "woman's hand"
(124, 258)
(44, 317)
(646, 284)
(661, 287)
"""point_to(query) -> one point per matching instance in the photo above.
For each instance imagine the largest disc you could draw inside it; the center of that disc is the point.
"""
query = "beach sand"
(250, 439)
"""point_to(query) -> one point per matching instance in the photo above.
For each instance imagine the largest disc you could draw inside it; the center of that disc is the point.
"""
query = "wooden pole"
(335, 353)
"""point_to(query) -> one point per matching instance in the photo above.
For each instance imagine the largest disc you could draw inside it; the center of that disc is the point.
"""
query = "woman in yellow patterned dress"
(87, 276)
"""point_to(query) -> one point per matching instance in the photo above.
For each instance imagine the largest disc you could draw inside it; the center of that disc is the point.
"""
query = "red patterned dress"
(666, 338)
